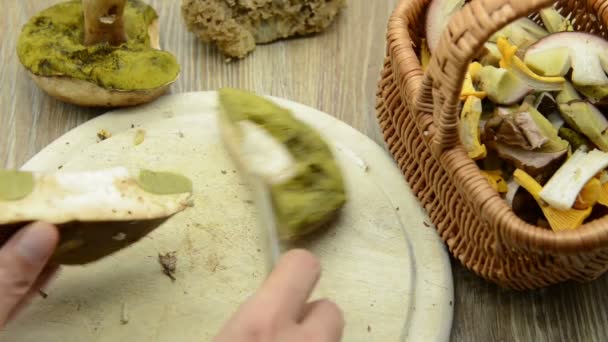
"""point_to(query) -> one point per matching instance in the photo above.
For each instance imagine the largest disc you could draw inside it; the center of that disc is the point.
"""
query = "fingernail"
(36, 243)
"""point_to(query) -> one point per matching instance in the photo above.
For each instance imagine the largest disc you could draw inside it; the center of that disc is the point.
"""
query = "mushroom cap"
(90, 94)
(307, 187)
(97, 212)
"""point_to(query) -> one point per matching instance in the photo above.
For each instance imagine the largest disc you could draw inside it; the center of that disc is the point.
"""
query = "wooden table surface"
(335, 72)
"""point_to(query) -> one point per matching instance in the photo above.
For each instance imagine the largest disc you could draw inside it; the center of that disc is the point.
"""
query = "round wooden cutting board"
(382, 262)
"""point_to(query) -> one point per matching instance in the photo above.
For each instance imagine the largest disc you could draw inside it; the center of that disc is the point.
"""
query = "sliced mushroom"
(575, 139)
(559, 220)
(97, 212)
(518, 129)
(502, 86)
(307, 186)
(522, 33)
(587, 56)
(563, 188)
(469, 128)
(587, 120)
(437, 18)
(111, 58)
(528, 140)
(554, 21)
(512, 63)
(567, 94)
(536, 163)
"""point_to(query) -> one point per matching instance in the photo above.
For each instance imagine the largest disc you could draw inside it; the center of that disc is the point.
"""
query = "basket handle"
(460, 42)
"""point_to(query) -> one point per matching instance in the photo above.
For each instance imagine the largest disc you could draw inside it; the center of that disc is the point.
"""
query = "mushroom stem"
(103, 22)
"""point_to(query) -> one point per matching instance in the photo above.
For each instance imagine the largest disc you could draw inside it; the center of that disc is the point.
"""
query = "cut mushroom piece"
(554, 21)
(469, 128)
(91, 208)
(536, 163)
(575, 139)
(305, 180)
(518, 129)
(587, 120)
(559, 220)
(554, 62)
(512, 63)
(563, 188)
(497, 182)
(567, 94)
(589, 195)
(535, 160)
(522, 33)
(491, 55)
(468, 88)
(587, 56)
(110, 58)
(438, 16)
(502, 86)
(595, 94)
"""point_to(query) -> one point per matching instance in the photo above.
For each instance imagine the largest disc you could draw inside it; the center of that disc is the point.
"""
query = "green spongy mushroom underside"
(316, 193)
(51, 44)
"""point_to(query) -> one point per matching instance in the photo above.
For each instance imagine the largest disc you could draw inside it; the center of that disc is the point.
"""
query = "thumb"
(22, 259)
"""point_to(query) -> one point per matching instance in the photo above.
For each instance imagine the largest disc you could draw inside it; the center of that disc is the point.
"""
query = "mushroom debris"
(102, 53)
(533, 117)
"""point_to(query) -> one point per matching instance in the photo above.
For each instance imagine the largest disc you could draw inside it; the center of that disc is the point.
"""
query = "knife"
(266, 219)
(245, 160)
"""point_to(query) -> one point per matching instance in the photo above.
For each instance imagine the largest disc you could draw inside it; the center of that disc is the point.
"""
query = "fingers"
(287, 289)
(46, 276)
(22, 260)
(324, 321)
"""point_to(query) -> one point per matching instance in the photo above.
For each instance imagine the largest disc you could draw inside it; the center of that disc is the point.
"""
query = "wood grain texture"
(335, 72)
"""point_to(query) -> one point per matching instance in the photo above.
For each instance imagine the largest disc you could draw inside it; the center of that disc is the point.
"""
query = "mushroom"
(554, 21)
(559, 220)
(111, 58)
(575, 139)
(588, 120)
(437, 18)
(518, 129)
(513, 81)
(526, 139)
(587, 56)
(502, 86)
(305, 180)
(566, 184)
(497, 182)
(469, 128)
(512, 63)
(522, 33)
(98, 212)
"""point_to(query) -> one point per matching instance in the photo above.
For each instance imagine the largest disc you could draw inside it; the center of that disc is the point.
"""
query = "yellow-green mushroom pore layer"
(52, 44)
(317, 191)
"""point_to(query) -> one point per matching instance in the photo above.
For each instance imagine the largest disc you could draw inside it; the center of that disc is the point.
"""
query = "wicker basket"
(418, 113)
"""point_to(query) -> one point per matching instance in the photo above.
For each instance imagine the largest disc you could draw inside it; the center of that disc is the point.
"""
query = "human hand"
(23, 267)
(280, 311)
